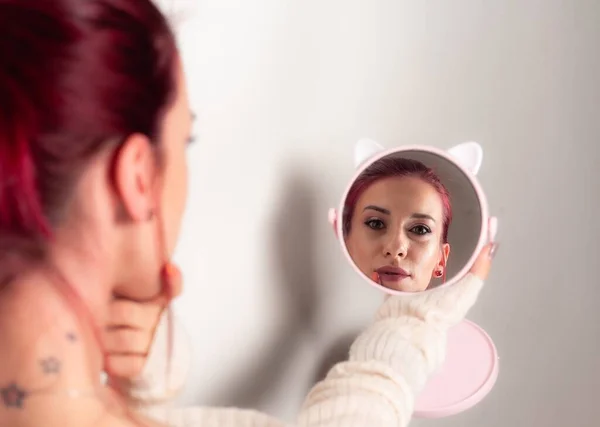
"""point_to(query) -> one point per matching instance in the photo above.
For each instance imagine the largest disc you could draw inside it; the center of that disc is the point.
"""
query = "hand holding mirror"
(414, 218)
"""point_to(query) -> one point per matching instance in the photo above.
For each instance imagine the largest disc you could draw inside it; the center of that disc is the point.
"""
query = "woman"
(94, 122)
(396, 220)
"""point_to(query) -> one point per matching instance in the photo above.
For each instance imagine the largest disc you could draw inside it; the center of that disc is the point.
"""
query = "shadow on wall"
(294, 269)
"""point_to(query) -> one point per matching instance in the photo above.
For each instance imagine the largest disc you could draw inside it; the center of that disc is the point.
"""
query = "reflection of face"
(397, 225)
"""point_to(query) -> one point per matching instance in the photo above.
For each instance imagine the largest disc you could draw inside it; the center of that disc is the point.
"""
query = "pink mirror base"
(467, 376)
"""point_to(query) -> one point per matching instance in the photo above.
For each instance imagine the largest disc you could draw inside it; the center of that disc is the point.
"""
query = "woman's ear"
(445, 254)
(439, 271)
(133, 173)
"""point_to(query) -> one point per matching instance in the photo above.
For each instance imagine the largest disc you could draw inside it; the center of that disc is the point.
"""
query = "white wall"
(283, 89)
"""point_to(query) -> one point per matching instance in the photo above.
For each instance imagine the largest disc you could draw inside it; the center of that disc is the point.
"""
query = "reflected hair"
(396, 167)
(77, 78)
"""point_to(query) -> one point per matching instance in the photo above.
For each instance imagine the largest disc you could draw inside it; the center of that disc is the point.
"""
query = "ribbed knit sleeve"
(388, 365)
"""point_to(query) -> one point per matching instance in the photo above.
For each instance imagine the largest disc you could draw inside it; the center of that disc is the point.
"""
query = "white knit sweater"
(388, 365)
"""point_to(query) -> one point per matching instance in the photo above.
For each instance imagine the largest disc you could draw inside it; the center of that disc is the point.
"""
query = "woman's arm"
(391, 361)
(389, 364)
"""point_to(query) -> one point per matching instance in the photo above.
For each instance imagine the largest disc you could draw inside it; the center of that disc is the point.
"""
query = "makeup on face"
(397, 232)
(412, 218)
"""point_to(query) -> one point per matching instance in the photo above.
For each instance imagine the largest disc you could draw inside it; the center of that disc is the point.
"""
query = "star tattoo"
(13, 396)
(50, 365)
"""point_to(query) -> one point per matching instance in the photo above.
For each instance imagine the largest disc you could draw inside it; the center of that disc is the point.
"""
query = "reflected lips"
(392, 274)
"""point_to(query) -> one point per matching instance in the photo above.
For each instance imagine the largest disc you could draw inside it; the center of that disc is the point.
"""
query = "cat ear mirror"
(414, 218)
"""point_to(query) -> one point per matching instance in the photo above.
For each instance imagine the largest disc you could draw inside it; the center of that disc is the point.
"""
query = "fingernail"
(493, 228)
(494, 249)
(331, 216)
(170, 270)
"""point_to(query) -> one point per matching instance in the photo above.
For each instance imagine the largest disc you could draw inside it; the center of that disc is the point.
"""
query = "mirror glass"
(413, 218)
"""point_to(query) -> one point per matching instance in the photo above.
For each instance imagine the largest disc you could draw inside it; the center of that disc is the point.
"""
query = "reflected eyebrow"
(422, 216)
(387, 212)
(378, 209)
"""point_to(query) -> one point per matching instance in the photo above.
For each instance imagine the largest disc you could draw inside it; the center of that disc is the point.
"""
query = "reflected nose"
(395, 247)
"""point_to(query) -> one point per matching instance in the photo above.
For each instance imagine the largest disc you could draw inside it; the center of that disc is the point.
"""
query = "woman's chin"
(403, 286)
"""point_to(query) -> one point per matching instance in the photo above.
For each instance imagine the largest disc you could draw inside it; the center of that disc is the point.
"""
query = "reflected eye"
(421, 230)
(375, 224)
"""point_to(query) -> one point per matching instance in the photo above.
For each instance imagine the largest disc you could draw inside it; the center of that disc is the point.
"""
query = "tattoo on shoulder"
(13, 396)
(50, 365)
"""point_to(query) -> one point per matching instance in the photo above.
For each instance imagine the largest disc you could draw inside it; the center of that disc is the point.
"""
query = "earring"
(439, 273)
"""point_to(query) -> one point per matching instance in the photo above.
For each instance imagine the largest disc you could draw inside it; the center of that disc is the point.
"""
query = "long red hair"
(76, 77)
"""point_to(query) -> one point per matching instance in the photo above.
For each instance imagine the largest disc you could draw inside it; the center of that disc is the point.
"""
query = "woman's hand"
(131, 327)
(483, 263)
(129, 335)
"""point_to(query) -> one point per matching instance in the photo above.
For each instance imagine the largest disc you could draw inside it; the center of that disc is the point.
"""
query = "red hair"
(396, 167)
(77, 77)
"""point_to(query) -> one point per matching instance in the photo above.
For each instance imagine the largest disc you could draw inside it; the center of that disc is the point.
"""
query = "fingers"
(125, 366)
(129, 332)
(126, 351)
(492, 229)
(171, 287)
(332, 217)
(125, 313)
(173, 281)
(128, 341)
(483, 263)
(128, 337)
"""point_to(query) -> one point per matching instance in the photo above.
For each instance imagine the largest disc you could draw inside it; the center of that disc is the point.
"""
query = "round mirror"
(413, 218)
